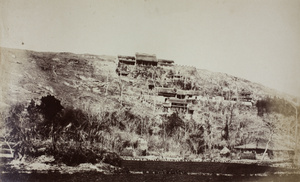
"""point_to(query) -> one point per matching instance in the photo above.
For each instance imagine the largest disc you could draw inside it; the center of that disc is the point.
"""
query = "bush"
(73, 153)
(21, 130)
(112, 158)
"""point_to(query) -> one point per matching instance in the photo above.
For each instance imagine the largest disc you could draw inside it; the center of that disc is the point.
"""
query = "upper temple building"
(146, 59)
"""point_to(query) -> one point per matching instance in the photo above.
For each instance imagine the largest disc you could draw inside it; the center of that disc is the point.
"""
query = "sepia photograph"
(149, 90)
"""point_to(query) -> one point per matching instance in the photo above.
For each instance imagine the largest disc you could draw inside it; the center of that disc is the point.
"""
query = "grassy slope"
(73, 78)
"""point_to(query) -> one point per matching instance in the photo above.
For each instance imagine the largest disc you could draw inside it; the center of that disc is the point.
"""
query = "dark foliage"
(112, 158)
(198, 139)
(173, 123)
(225, 132)
(74, 153)
(276, 105)
(50, 106)
(182, 84)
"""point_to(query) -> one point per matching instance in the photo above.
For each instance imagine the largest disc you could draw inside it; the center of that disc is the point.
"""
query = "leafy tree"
(276, 105)
(196, 141)
(50, 106)
(174, 122)
(263, 106)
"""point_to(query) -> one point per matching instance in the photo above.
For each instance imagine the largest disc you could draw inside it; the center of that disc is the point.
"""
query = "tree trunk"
(266, 149)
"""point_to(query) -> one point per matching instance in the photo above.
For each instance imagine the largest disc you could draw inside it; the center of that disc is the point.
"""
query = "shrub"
(112, 158)
(73, 153)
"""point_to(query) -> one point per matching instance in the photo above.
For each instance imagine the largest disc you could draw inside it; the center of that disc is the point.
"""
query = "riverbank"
(148, 164)
(44, 168)
(46, 164)
(185, 167)
(272, 163)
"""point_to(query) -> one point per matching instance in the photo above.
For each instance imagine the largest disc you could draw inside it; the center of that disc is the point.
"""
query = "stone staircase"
(6, 151)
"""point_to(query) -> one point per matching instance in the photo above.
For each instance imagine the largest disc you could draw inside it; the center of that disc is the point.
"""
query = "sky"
(251, 39)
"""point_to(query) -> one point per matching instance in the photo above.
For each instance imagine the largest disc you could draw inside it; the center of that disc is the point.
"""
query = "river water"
(93, 176)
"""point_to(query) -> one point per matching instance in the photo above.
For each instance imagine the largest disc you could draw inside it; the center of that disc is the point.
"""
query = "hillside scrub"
(70, 135)
(75, 136)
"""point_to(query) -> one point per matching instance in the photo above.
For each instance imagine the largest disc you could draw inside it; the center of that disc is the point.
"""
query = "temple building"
(166, 92)
(146, 59)
(128, 60)
(164, 62)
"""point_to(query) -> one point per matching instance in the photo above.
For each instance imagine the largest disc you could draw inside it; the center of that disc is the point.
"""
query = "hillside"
(139, 123)
(29, 74)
